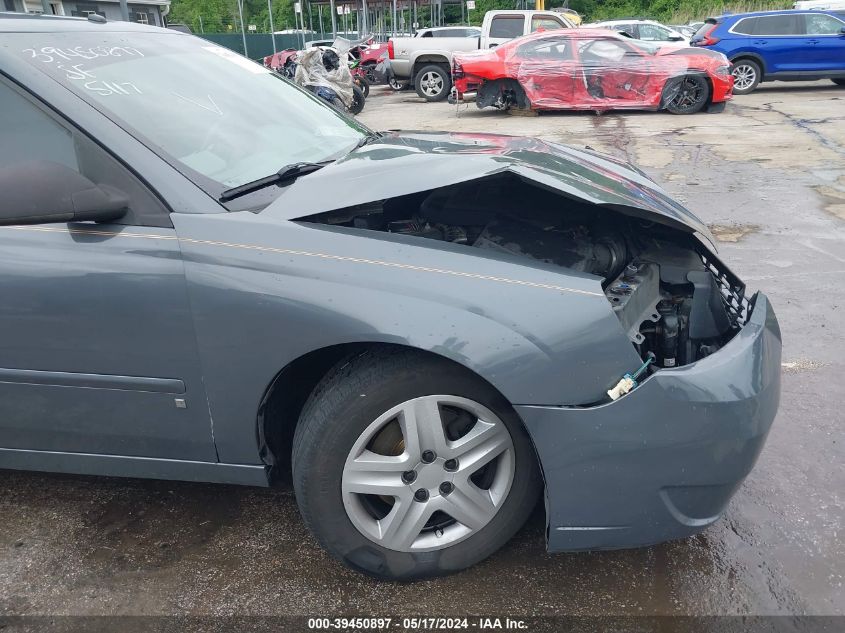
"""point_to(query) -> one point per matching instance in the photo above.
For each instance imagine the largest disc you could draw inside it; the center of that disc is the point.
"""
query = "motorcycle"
(359, 76)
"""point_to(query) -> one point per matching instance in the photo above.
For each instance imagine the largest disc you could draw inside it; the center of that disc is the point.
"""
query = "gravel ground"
(768, 175)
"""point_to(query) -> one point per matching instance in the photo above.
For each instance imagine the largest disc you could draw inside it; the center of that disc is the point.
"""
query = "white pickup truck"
(426, 62)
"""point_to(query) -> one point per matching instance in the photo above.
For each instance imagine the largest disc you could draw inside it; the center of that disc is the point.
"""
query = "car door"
(547, 71)
(781, 40)
(615, 74)
(827, 42)
(97, 347)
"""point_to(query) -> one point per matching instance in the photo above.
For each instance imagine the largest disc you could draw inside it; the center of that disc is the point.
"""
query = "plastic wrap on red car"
(589, 69)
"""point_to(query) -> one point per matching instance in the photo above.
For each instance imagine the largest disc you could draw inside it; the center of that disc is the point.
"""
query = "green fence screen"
(259, 45)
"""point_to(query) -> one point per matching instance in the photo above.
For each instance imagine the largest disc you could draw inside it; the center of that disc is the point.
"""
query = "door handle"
(812, 41)
(759, 42)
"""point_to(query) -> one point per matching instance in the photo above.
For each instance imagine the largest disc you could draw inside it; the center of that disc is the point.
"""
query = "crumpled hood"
(401, 163)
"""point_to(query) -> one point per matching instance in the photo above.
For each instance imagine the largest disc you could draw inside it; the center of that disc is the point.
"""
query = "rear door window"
(509, 26)
(779, 25)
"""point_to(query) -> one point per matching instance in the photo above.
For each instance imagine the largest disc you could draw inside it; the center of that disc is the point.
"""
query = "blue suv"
(778, 46)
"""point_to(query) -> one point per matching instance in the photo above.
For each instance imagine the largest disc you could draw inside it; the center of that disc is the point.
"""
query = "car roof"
(754, 14)
(39, 23)
(629, 21)
(578, 34)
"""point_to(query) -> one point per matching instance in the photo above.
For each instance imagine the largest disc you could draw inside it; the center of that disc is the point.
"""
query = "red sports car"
(593, 69)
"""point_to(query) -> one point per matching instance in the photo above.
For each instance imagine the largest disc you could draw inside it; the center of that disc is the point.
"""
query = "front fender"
(265, 292)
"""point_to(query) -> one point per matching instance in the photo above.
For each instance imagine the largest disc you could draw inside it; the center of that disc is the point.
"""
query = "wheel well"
(493, 88)
(430, 61)
(284, 399)
(754, 58)
(691, 71)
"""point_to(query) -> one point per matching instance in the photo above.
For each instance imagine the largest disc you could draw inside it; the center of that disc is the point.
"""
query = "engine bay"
(676, 302)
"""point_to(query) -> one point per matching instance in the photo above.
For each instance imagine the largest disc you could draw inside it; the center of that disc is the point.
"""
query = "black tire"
(839, 81)
(690, 96)
(396, 85)
(357, 100)
(747, 75)
(344, 404)
(364, 85)
(433, 82)
(338, 104)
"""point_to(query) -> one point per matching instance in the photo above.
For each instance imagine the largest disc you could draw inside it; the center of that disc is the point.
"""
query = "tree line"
(221, 16)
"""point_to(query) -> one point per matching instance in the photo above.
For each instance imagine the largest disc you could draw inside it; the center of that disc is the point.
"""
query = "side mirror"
(41, 192)
(842, 31)
(676, 38)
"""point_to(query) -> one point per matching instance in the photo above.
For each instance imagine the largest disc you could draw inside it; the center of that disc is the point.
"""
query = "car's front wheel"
(747, 75)
(408, 466)
(691, 95)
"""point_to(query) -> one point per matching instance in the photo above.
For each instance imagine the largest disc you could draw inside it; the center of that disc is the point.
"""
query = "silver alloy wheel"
(431, 83)
(428, 494)
(744, 76)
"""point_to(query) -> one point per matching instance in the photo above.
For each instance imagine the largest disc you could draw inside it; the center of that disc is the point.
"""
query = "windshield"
(204, 108)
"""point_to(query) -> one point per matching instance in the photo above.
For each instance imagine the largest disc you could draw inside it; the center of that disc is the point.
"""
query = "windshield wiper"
(366, 140)
(286, 174)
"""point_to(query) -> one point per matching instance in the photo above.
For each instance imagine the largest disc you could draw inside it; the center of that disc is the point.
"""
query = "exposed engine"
(670, 295)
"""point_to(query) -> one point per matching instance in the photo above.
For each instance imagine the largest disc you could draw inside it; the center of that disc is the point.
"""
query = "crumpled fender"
(266, 292)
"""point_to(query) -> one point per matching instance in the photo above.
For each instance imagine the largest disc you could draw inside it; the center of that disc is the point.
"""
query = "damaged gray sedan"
(208, 275)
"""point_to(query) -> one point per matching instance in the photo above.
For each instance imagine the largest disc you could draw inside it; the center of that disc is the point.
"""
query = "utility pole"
(124, 11)
(334, 19)
(311, 20)
(272, 29)
(243, 33)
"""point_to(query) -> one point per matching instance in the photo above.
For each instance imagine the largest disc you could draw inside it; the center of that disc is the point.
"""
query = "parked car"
(778, 46)
(426, 62)
(197, 286)
(593, 69)
(647, 30)
(684, 29)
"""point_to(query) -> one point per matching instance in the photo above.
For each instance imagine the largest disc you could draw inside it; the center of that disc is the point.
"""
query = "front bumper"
(662, 462)
(723, 86)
